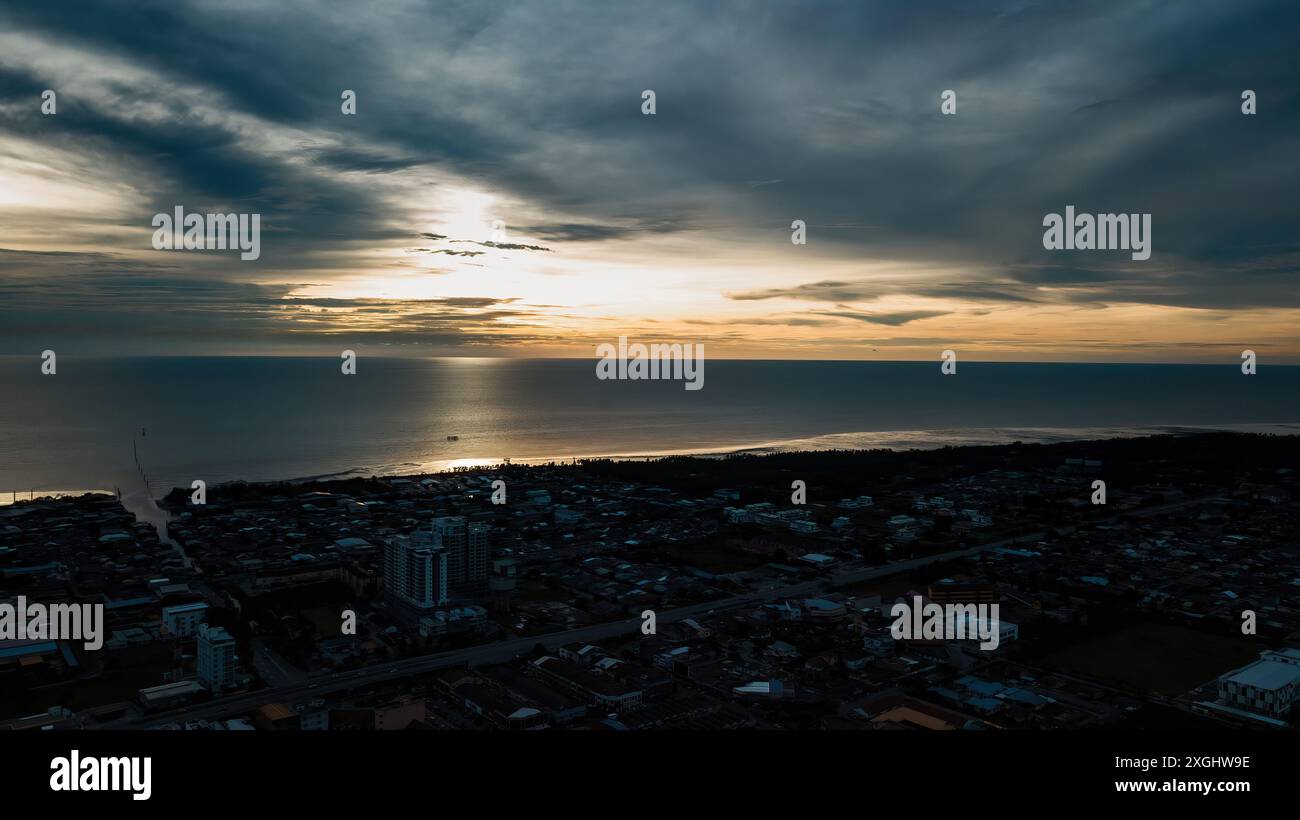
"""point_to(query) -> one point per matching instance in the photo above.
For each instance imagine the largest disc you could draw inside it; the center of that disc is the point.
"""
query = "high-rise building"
(415, 571)
(217, 658)
(449, 534)
(421, 569)
(476, 554)
(468, 549)
(501, 581)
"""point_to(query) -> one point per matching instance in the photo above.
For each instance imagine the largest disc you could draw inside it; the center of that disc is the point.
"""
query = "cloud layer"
(378, 227)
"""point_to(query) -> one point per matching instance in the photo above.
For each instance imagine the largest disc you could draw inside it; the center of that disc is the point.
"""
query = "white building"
(1007, 631)
(217, 658)
(750, 513)
(183, 620)
(905, 527)
(415, 572)
(449, 535)
(455, 619)
(1269, 686)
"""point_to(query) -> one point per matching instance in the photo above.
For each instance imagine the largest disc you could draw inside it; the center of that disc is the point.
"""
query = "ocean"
(104, 423)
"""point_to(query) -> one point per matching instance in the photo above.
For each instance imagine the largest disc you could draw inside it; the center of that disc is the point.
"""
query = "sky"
(924, 230)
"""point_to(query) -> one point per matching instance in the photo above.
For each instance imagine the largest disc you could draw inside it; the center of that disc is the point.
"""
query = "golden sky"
(380, 229)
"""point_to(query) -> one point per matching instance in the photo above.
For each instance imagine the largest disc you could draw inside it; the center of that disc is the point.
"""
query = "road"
(273, 668)
(503, 651)
(499, 652)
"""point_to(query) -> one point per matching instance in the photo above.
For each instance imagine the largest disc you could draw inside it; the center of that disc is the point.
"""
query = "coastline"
(866, 440)
(143, 504)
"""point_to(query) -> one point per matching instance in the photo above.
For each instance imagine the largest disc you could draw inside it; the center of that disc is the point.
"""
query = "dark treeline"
(1206, 458)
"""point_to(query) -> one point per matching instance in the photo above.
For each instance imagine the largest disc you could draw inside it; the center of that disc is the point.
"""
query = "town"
(511, 596)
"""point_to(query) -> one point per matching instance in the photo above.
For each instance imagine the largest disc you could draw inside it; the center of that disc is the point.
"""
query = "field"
(1156, 657)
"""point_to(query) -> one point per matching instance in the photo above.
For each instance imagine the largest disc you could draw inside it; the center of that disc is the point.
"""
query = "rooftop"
(1267, 675)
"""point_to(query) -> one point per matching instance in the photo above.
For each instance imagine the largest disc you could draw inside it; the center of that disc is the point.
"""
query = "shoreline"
(924, 441)
(139, 503)
(895, 440)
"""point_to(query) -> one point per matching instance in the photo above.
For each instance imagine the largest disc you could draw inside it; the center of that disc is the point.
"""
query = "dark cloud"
(595, 232)
(368, 161)
(892, 319)
(826, 291)
(579, 233)
(505, 246)
(450, 252)
(870, 289)
(823, 111)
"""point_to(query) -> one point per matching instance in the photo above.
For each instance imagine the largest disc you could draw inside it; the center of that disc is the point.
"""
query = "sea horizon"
(147, 424)
(34, 359)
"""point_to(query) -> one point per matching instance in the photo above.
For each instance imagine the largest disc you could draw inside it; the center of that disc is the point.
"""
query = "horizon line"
(126, 356)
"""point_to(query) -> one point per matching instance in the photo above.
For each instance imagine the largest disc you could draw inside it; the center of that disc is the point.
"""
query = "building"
(1269, 686)
(602, 691)
(820, 609)
(977, 518)
(905, 527)
(1006, 630)
(449, 534)
(276, 717)
(750, 513)
(948, 591)
(399, 714)
(502, 581)
(217, 658)
(760, 689)
(183, 620)
(452, 619)
(467, 547)
(169, 695)
(416, 572)
(422, 570)
(477, 548)
(313, 719)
